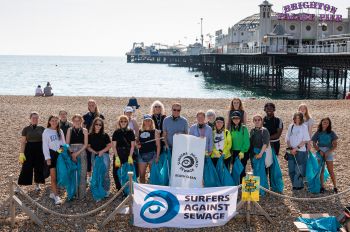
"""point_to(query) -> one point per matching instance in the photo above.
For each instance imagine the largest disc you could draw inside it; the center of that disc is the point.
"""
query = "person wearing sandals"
(53, 140)
(148, 145)
(325, 142)
(297, 138)
(31, 154)
(123, 145)
(77, 138)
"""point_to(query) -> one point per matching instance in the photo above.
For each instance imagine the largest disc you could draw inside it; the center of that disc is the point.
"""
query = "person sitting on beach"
(222, 143)
(325, 142)
(211, 116)
(133, 103)
(202, 130)
(297, 137)
(158, 116)
(99, 144)
(77, 138)
(31, 154)
(236, 105)
(148, 145)
(64, 123)
(39, 91)
(274, 125)
(174, 124)
(123, 145)
(53, 139)
(48, 90)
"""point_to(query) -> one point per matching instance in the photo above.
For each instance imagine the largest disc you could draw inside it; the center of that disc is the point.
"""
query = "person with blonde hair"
(123, 145)
(77, 138)
(236, 105)
(158, 115)
(149, 146)
(308, 121)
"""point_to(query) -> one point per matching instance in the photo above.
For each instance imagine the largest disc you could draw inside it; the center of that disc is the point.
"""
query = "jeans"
(107, 162)
(296, 173)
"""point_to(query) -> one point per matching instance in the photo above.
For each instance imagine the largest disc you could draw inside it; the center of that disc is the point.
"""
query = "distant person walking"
(48, 90)
(39, 91)
(53, 139)
(31, 154)
(347, 97)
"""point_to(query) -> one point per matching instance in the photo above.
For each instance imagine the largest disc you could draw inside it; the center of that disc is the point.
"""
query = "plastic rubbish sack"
(223, 174)
(313, 172)
(123, 175)
(68, 172)
(210, 176)
(276, 179)
(155, 173)
(97, 179)
(237, 171)
(321, 224)
(260, 170)
(164, 172)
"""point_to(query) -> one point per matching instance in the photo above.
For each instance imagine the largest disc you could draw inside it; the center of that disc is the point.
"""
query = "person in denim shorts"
(149, 146)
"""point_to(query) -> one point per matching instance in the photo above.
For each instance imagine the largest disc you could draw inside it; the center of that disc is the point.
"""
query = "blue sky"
(109, 27)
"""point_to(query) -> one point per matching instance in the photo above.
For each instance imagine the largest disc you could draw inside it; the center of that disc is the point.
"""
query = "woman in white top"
(53, 139)
(297, 138)
(128, 111)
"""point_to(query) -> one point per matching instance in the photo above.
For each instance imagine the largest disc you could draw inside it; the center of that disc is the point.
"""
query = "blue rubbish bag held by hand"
(96, 183)
(276, 179)
(210, 176)
(313, 172)
(164, 172)
(123, 175)
(237, 171)
(155, 173)
(223, 174)
(259, 170)
(68, 172)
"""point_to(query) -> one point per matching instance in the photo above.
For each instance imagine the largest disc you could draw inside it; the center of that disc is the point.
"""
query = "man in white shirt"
(39, 91)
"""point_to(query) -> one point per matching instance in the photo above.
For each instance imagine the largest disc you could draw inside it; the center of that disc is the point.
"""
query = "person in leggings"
(123, 145)
(77, 138)
(31, 154)
(53, 139)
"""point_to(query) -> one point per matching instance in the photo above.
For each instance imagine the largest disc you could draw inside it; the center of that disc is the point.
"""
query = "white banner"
(160, 206)
(187, 161)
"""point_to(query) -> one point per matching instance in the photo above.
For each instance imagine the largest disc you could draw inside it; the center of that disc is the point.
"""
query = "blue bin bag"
(96, 183)
(210, 176)
(155, 173)
(313, 172)
(259, 169)
(329, 224)
(164, 172)
(123, 175)
(223, 174)
(276, 179)
(237, 171)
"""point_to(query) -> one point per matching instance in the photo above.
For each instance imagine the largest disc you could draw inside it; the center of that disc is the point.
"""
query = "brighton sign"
(329, 12)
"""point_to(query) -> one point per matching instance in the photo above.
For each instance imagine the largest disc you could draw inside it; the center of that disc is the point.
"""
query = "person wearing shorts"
(149, 146)
(325, 142)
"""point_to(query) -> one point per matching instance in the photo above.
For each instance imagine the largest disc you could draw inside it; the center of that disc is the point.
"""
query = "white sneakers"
(57, 199)
(37, 188)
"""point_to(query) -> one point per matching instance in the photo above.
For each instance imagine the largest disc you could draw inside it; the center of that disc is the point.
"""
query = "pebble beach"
(14, 111)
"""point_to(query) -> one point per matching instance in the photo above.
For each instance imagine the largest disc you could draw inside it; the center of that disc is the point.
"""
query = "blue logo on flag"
(173, 207)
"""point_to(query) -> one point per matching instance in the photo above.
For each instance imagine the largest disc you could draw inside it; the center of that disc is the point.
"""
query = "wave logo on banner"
(187, 161)
(173, 207)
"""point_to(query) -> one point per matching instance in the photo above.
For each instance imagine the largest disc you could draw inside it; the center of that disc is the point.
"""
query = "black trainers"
(322, 190)
(335, 190)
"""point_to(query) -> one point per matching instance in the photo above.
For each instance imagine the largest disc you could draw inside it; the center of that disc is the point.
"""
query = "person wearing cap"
(128, 111)
(201, 129)
(222, 142)
(236, 105)
(148, 145)
(174, 124)
(240, 140)
(211, 116)
(158, 115)
(274, 125)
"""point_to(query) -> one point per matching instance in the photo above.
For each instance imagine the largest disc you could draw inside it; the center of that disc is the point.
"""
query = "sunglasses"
(123, 121)
(176, 110)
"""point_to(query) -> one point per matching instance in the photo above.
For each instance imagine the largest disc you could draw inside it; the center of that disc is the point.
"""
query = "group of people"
(47, 92)
(141, 145)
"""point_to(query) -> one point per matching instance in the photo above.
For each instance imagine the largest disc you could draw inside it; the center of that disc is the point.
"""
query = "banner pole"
(131, 191)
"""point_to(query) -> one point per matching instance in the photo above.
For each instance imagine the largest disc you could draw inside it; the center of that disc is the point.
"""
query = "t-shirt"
(272, 124)
(259, 137)
(297, 134)
(33, 133)
(309, 123)
(89, 118)
(145, 137)
(219, 140)
(99, 142)
(173, 126)
(123, 137)
(324, 139)
(52, 141)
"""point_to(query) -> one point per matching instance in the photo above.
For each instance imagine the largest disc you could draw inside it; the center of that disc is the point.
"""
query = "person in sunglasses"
(99, 144)
(158, 116)
(174, 124)
(222, 142)
(297, 137)
(123, 145)
(202, 130)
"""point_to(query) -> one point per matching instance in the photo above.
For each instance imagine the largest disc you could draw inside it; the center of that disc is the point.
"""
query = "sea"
(109, 76)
